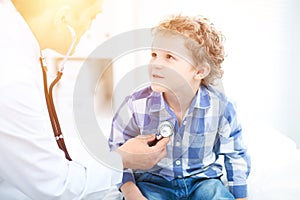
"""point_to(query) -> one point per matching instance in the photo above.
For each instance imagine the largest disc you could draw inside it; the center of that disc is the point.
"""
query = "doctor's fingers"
(162, 144)
(146, 138)
(160, 150)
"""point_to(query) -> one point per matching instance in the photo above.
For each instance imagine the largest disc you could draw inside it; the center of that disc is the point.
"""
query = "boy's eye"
(168, 56)
(153, 54)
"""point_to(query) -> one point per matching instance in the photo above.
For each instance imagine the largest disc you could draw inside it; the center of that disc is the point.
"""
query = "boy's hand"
(136, 153)
(131, 192)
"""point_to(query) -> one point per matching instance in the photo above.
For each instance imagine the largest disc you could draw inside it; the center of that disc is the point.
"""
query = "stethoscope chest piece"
(166, 129)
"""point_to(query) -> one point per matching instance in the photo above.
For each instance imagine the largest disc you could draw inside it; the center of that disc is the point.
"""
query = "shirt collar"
(202, 100)
(157, 102)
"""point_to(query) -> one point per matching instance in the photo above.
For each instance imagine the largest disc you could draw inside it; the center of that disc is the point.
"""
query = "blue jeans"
(155, 187)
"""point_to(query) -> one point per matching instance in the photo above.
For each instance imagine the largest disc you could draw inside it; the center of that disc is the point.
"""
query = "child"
(187, 53)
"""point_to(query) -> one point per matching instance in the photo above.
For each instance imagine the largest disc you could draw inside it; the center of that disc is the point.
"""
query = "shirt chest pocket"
(202, 132)
(204, 140)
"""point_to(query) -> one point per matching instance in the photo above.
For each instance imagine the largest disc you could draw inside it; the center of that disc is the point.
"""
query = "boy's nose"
(157, 65)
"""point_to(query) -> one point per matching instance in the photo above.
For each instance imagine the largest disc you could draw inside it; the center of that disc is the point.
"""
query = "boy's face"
(172, 67)
(170, 72)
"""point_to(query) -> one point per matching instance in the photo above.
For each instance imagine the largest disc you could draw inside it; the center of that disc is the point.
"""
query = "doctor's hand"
(136, 153)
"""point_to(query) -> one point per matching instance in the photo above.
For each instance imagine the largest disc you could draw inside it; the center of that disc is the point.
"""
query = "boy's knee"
(212, 189)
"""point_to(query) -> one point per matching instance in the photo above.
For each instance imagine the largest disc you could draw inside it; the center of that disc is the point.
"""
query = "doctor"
(31, 164)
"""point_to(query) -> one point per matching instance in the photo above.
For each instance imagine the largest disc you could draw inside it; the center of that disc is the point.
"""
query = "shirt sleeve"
(124, 127)
(236, 159)
(30, 159)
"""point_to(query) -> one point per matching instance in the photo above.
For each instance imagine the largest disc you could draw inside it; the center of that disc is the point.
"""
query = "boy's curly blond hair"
(208, 49)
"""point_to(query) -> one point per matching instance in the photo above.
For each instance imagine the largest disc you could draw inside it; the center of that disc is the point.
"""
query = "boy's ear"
(202, 72)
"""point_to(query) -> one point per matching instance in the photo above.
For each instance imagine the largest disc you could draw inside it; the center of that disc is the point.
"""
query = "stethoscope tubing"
(51, 108)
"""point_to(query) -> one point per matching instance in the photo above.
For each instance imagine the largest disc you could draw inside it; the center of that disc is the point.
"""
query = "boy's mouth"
(157, 76)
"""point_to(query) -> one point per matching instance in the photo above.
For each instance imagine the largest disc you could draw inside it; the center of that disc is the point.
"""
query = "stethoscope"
(165, 129)
(49, 95)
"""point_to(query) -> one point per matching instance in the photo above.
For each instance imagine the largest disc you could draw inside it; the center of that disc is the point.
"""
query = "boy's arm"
(131, 192)
(236, 158)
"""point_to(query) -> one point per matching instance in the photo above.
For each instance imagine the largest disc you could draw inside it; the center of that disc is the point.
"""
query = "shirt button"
(177, 162)
(177, 144)
(179, 176)
(184, 122)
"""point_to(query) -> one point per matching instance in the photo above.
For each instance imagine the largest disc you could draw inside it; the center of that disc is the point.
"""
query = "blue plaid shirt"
(209, 129)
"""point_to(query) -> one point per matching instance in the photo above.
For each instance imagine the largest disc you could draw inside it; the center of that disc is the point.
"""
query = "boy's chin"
(158, 88)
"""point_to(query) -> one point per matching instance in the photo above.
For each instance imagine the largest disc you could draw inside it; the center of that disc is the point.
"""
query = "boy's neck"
(179, 102)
